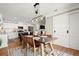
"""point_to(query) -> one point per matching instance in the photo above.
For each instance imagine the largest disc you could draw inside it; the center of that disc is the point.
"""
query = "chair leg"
(26, 48)
(39, 50)
(9, 53)
(52, 52)
(45, 49)
(34, 51)
(42, 48)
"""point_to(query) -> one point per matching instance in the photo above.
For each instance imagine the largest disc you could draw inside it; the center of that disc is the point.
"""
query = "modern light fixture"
(37, 16)
(36, 7)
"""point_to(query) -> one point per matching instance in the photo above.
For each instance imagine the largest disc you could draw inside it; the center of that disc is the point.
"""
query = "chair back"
(30, 41)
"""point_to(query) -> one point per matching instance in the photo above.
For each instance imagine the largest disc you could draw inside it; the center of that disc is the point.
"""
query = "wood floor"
(16, 43)
(66, 50)
(18, 52)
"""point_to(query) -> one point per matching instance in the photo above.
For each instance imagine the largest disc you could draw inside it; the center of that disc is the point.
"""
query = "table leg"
(52, 52)
(42, 48)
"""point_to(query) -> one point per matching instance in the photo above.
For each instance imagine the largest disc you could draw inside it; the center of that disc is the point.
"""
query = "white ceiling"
(25, 11)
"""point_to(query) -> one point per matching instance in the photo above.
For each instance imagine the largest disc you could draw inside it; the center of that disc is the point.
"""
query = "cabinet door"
(60, 25)
(3, 41)
(74, 30)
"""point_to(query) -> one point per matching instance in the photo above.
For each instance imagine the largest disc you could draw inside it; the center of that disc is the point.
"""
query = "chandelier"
(37, 16)
(36, 8)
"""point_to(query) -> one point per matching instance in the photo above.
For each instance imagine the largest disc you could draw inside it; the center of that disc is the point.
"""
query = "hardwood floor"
(66, 50)
(16, 43)
(3, 52)
(12, 43)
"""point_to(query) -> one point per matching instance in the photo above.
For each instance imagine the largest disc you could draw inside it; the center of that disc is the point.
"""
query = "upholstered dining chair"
(29, 40)
(47, 40)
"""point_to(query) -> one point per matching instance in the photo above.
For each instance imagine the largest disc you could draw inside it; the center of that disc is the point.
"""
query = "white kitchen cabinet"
(4, 40)
(60, 29)
(12, 35)
(74, 29)
(68, 22)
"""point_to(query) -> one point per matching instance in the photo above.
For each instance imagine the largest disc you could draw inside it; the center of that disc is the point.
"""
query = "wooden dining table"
(39, 41)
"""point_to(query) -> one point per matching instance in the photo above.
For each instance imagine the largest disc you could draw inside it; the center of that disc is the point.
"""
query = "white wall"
(49, 25)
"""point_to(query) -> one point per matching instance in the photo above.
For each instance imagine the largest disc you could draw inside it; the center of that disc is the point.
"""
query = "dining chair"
(47, 40)
(29, 40)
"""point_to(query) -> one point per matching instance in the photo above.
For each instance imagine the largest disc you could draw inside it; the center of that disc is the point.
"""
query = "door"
(74, 30)
(60, 31)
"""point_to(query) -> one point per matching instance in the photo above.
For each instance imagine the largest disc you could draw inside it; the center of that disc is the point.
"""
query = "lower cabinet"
(60, 30)
(12, 43)
(74, 30)
(66, 29)
(3, 45)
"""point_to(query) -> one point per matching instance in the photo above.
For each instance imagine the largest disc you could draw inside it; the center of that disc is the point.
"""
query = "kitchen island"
(3, 44)
(8, 40)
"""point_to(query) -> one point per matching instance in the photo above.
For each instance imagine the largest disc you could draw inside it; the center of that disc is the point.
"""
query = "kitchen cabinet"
(12, 35)
(74, 29)
(3, 40)
(3, 45)
(66, 29)
(60, 28)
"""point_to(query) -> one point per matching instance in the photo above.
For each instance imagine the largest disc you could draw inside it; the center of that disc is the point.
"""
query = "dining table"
(40, 40)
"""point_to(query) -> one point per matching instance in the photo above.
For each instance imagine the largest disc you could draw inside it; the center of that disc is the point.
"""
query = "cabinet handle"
(67, 31)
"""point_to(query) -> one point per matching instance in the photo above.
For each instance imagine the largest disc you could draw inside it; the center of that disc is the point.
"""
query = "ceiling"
(25, 11)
